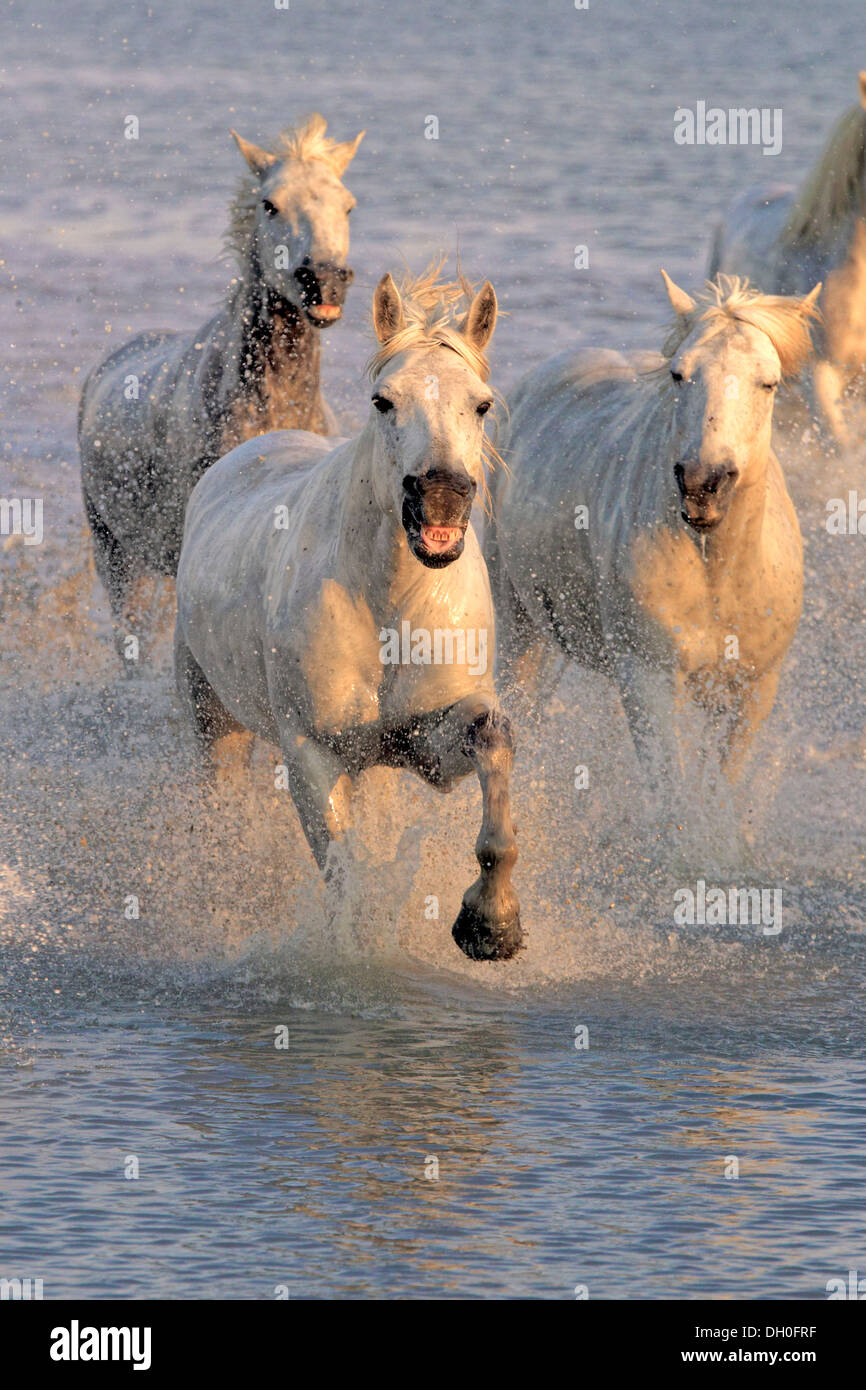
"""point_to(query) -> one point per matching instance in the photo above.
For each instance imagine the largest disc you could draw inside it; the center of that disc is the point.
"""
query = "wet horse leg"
(321, 790)
(115, 573)
(477, 732)
(828, 385)
(225, 742)
(754, 703)
(649, 698)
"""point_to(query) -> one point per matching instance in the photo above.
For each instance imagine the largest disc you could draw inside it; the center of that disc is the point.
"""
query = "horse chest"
(706, 619)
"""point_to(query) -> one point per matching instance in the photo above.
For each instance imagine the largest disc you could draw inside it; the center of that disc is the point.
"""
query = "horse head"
(428, 409)
(297, 212)
(728, 352)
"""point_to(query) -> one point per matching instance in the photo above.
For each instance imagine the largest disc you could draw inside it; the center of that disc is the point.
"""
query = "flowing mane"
(834, 189)
(305, 143)
(433, 310)
(728, 298)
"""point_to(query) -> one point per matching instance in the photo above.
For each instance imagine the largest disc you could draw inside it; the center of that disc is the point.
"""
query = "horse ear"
(258, 159)
(862, 79)
(343, 155)
(681, 303)
(388, 316)
(480, 321)
(808, 305)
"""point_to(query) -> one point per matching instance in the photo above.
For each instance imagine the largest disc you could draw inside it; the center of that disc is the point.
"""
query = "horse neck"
(273, 341)
(373, 554)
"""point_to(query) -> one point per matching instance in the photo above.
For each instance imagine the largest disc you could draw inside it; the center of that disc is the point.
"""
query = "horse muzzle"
(323, 287)
(705, 493)
(436, 510)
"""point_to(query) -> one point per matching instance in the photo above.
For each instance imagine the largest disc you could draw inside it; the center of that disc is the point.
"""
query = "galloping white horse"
(336, 601)
(784, 240)
(644, 528)
(162, 408)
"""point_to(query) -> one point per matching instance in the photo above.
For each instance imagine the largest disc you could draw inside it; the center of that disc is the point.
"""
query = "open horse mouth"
(435, 546)
(324, 313)
(323, 288)
(705, 499)
(436, 510)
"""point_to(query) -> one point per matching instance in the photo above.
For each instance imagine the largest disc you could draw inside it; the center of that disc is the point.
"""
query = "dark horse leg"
(224, 741)
(133, 590)
(488, 924)
(112, 565)
(446, 746)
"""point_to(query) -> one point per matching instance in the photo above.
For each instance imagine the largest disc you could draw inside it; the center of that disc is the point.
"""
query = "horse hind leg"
(115, 573)
(225, 743)
(488, 924)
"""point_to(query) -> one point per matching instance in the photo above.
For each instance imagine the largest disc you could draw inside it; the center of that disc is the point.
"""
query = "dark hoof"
(481, 939)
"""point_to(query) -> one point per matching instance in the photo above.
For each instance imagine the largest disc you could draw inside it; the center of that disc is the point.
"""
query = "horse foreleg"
(649, 697)
(321, 790)
(224, 741)
(828, 386)
(488, 924)
(754, 703)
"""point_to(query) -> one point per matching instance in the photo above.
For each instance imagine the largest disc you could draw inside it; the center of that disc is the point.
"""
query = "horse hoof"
(481, 939)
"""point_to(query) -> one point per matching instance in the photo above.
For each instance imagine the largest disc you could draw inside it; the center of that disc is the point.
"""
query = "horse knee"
(489, 740)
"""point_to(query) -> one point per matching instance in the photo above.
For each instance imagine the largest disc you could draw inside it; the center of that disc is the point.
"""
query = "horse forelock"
(432, 308)
(730, 300)
(834, 188)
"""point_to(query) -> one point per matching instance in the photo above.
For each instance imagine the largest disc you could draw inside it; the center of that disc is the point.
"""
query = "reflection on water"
(308, 1164)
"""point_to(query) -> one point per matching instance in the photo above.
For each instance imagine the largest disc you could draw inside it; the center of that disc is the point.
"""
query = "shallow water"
(153, 1036)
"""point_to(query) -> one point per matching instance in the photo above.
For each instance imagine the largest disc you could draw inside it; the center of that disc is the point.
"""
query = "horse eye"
(677, 376)
(269, 207)
(483, 407)
(769, 385)
(382, 404)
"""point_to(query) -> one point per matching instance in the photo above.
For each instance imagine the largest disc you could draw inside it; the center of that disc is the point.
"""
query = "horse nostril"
(680, 475)
(719, 479)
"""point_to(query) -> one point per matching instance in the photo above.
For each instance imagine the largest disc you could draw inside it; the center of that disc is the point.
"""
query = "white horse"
(644, 528)
(162, 408)
(335, 601)
(784, 240)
